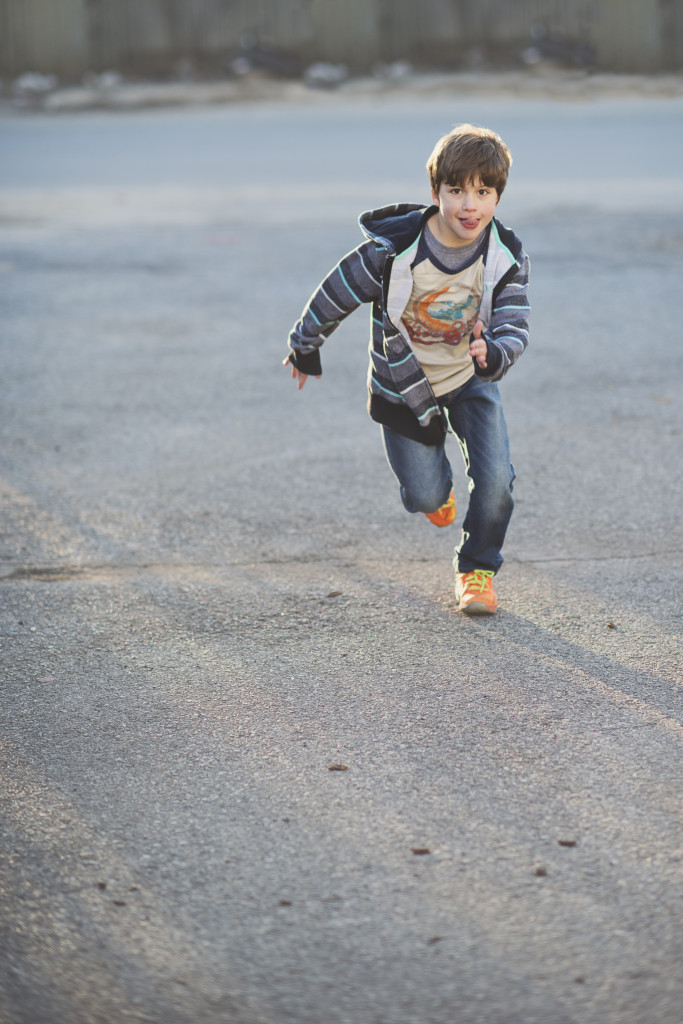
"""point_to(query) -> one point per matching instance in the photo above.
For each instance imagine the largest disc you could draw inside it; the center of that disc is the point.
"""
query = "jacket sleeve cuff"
(306, 362)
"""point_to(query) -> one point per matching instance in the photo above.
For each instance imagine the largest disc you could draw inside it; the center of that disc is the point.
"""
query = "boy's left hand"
(478, 349)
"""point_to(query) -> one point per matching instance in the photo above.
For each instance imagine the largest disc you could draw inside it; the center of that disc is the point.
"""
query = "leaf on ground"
(420, 851)
(541, 872)
(337, 768)
(335, 593)
(566, 842)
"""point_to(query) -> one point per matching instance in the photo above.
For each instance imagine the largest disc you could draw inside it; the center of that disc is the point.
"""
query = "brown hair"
(467, 153)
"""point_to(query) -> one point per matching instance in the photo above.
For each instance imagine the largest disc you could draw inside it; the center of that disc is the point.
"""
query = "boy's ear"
(435, 198)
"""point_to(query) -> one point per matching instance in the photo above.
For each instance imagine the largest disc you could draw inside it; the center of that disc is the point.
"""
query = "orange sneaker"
(474, 592)
(445, 515)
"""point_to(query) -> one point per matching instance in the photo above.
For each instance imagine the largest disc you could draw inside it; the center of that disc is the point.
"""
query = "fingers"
(478, 349)
(297, 375)
(478, 352)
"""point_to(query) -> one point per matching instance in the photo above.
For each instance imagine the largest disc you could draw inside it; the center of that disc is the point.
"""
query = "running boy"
(448, 287)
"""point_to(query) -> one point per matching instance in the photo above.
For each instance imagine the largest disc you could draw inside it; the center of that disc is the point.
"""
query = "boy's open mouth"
(469, 222)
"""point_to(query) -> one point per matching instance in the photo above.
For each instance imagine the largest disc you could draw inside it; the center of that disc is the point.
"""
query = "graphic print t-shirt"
(443, 309)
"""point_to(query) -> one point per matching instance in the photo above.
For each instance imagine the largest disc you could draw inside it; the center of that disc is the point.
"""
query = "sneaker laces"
(482, 578)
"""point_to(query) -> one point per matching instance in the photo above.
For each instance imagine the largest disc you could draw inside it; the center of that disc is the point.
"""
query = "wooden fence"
(70, 37)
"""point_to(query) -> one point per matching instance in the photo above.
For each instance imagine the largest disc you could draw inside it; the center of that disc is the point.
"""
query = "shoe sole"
(477, 608)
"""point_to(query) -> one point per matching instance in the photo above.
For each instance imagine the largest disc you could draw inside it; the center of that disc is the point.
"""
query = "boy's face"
(465, 211)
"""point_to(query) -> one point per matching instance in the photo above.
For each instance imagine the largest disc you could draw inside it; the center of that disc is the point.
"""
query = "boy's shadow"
(630, 687)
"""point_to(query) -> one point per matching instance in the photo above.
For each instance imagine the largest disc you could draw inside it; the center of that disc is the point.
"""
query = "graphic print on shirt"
(439, 318)
(443, 308)
(436, 319)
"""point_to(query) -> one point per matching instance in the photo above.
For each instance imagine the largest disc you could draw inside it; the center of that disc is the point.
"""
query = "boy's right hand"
(297, 375)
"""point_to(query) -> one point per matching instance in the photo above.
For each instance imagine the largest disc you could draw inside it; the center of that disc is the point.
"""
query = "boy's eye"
(456, 190)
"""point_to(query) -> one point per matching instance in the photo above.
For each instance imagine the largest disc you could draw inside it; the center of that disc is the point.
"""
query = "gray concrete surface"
(210, 593)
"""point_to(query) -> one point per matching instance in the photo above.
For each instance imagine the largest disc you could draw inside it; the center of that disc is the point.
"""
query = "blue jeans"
(475, 414)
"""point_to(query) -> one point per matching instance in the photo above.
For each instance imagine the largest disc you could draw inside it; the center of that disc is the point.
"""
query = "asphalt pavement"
(256, 767)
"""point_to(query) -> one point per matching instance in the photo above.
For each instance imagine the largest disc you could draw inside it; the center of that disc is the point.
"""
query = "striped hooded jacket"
(379, 272)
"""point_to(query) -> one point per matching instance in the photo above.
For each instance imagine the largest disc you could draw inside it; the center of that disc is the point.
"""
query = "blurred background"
(328, 40)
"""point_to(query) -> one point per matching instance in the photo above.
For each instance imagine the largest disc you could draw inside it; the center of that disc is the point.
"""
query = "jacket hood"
(397, 226)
